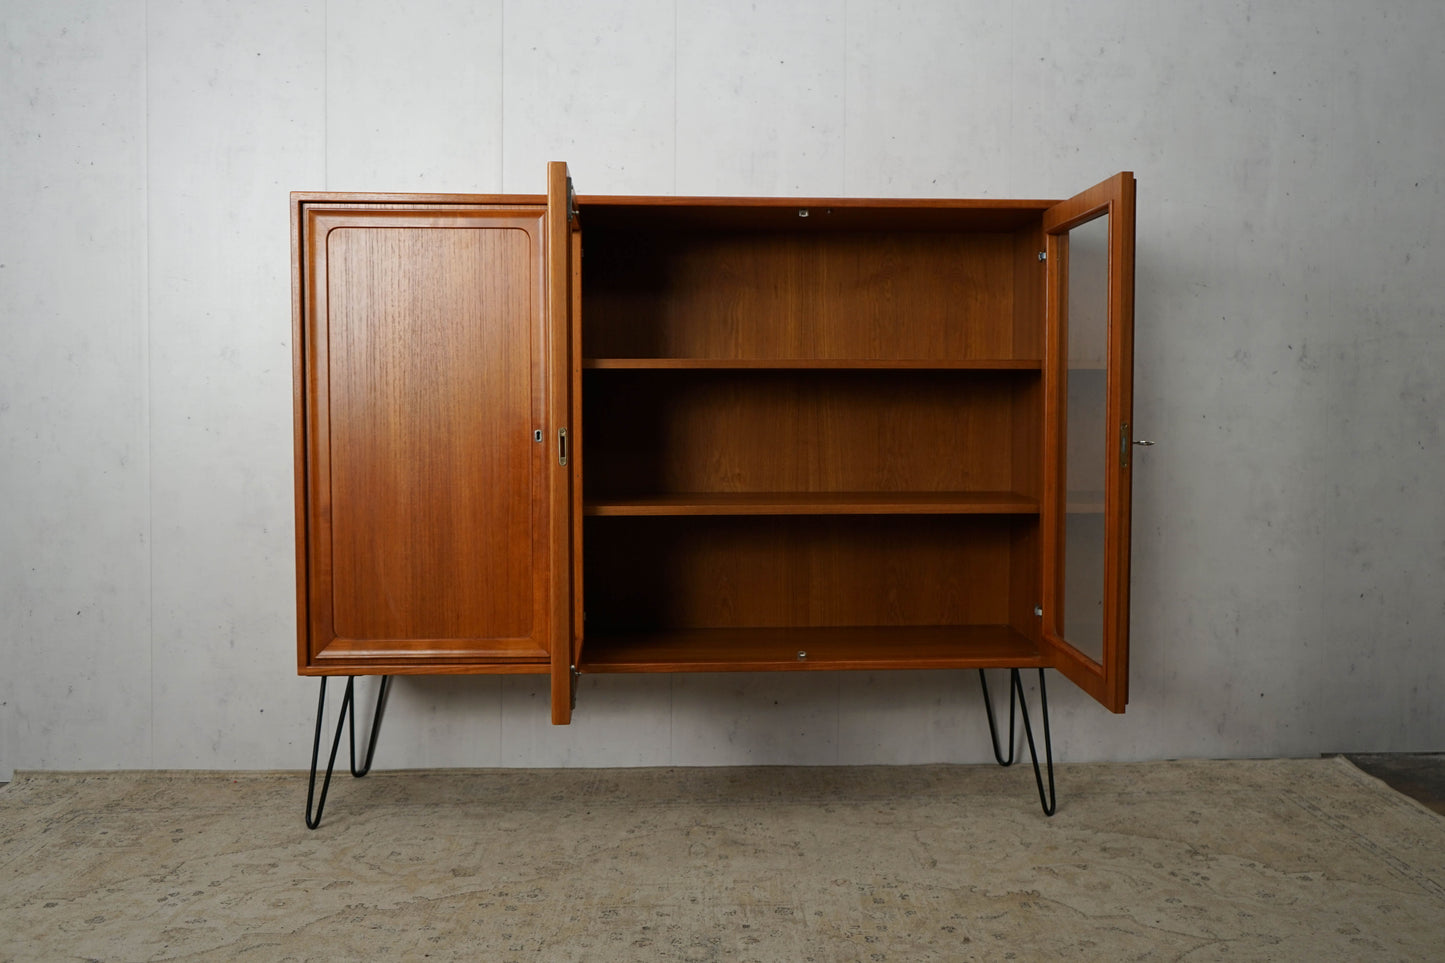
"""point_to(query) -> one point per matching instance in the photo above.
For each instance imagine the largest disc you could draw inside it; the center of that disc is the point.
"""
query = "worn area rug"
(1275, 860)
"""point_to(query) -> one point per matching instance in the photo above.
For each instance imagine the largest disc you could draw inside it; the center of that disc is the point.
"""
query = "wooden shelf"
(820, 364)
(822, 648)
(818, 503)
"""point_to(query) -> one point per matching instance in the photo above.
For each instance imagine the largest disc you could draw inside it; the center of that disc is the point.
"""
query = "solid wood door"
(424, 448)
(564, 256)
(1087, 449)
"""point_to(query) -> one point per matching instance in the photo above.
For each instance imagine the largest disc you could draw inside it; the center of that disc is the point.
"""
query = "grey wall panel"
(1289, 534)
(235, 113)
(75, 586)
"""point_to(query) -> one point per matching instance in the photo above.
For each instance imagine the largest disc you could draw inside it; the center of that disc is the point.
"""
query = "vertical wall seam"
(150, 532)
(844, 132)
(838, 719)
(1013, 98)
(326, 95)
(838, 684)
(676, 42)
(502, 97)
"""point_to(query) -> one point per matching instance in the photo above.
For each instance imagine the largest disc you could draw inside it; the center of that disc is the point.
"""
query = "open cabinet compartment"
(729, 592)
(851, 282)
(813, 436)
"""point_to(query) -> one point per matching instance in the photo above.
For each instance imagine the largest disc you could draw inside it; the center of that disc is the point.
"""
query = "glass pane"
(1088, 439)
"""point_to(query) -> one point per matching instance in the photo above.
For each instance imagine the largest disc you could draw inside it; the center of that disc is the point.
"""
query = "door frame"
(1106, 679)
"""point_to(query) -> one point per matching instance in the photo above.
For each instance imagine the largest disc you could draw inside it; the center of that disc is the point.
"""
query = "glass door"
(1088, 441)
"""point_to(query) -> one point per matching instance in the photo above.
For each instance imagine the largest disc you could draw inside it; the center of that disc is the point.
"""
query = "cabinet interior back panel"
(816, 431)
(749, 294)
(661, 573)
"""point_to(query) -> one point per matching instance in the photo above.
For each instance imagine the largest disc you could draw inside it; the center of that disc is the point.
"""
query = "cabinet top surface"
(373, 197)
(669, 200)
(643, 212)
(695, 206)
(808, 213)
(672, 200)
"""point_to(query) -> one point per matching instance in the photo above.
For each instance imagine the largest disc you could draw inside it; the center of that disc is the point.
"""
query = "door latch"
(1124, 444)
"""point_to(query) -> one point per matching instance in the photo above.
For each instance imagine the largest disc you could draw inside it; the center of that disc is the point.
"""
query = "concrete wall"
(1289, 529)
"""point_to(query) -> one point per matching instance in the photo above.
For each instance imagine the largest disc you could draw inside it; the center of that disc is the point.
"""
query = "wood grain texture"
(719, 572)
(301, 362)
(655, 432)
(1025, 582)
(381, 201)
(1030, 277)
(422, 382)
(557, 441)
(429, 352)
(578, 444)
(792, 295)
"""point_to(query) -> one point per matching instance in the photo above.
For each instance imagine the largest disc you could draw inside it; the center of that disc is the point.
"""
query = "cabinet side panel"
(300, 365)
(1026, 580)
(429, 342)
(1029, 288)
(1027, 437)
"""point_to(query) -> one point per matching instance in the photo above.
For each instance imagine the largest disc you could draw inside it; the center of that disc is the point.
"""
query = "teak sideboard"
(566, 434)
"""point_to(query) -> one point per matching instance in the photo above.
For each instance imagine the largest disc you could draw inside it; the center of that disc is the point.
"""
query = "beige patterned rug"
(1275, 860)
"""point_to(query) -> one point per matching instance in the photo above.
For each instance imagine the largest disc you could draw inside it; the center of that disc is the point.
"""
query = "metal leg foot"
(1050, 802)
(1016, 700)
(346, 719)
(992, 726)
(375, 728)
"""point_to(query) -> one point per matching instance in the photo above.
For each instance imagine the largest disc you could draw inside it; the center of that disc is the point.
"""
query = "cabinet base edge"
(428, 668)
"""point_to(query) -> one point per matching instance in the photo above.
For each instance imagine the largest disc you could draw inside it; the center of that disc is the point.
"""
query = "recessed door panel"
(428, 527)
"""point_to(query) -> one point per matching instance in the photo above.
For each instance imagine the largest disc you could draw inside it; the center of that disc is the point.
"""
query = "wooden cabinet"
(655, 434)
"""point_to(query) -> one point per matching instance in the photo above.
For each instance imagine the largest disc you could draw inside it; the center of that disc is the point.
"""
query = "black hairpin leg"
(346, 719)
(992, 726)
(1049, 802)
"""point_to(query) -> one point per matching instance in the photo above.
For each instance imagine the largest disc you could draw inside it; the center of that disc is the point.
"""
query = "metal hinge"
(561, 446)
(571, 202)
(1043, 255)
(574, 687)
